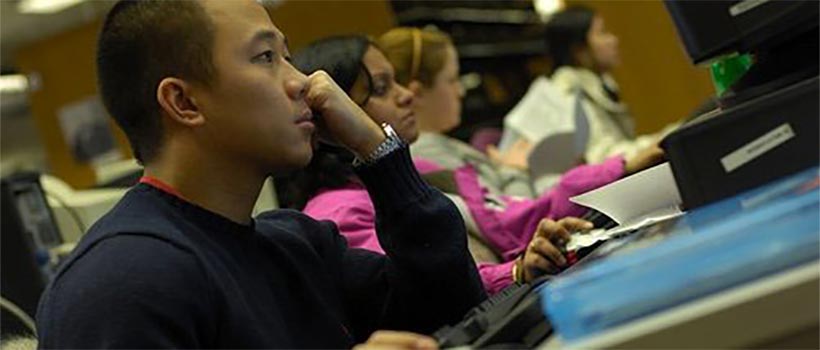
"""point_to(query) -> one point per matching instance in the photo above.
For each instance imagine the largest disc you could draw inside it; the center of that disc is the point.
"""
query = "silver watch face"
(391, 142)
(389, 131)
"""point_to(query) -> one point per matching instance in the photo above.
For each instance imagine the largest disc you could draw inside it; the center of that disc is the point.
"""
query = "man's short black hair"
(141, 43)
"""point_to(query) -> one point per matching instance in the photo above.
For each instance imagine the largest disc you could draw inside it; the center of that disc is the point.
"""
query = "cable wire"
(19, 313)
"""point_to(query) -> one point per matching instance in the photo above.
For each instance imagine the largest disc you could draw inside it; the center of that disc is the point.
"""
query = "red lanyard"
(162, 186)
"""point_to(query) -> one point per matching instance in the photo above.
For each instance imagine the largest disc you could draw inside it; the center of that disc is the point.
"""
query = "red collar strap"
(162, 186)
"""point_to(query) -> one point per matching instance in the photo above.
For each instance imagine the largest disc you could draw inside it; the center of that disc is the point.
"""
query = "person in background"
(212, 106)
(426, 62)
(526, 242)
(583, 53)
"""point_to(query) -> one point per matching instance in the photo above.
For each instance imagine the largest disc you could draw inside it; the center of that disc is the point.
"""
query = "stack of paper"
(554, 122)
(633, 202)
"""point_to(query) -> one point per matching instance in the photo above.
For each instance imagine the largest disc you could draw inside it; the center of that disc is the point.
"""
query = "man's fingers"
(316, 93)
(368, 346)
(399, 340)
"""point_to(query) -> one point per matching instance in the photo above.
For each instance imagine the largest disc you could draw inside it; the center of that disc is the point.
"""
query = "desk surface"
(774, 312)
(741, 272)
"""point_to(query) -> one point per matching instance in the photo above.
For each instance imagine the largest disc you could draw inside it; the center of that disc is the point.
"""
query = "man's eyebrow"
(382, 75)
(265, 35)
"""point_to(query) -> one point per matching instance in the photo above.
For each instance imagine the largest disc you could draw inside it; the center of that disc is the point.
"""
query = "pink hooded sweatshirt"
(505, 222)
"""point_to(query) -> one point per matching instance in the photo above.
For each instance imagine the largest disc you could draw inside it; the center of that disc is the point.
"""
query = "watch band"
(391, 143)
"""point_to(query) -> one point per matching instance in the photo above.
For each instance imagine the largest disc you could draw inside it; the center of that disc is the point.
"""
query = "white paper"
(581, 127)
(559, 152)
(635, 197)
(553, 155)
(653, 217)
(544, 110)
(555, 123)
(586, 239)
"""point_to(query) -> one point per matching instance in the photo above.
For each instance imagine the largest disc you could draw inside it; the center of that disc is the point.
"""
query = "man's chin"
(307, 158)
(293, 164)
(412, 137)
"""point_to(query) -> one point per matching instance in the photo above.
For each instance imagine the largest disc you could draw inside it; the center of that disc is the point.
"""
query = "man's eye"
(380, 89)
(266, 57)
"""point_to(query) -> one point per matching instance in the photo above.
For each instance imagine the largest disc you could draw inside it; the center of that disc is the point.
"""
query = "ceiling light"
(45, 6)
(470, 81)
(545, 8)
(13, 83)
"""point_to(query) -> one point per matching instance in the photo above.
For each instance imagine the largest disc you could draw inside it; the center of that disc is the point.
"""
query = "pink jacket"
(507, 223)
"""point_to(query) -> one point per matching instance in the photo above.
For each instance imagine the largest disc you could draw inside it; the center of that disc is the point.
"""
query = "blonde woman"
(426, 62)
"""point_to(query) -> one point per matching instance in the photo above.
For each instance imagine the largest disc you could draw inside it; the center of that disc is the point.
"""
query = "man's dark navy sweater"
(158, 271)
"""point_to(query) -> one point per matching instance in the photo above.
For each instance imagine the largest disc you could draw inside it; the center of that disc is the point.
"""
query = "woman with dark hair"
(331, 166)
(326, 189)
(583, 52)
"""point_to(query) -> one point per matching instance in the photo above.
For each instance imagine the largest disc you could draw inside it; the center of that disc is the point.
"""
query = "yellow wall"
(66, 65)
(657, 80)
(305, 21)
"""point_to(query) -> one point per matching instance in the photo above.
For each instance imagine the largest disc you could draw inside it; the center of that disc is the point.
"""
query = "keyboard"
(500, 320)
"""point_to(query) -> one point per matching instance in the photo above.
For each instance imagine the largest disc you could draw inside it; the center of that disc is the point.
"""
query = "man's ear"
(174, 97)
(416, 87)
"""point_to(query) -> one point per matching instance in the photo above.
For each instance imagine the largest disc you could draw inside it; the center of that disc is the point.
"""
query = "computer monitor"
(778, 92)
(709, 29)
(28, 233)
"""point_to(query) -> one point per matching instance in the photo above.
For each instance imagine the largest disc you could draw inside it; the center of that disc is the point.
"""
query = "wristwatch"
(391, 143)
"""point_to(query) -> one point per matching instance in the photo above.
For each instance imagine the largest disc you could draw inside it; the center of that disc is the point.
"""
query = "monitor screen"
(28, 232)
(709, 29)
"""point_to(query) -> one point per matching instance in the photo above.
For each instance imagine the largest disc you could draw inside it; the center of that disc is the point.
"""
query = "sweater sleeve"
(581, 179)
(508, 223)
(431, 277)
(86, 311)
(496, 276)
(352, 212)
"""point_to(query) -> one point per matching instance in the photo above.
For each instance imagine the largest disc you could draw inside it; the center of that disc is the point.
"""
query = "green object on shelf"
(728, 69)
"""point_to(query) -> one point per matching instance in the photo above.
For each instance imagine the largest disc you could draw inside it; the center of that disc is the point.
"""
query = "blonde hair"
(416, 54)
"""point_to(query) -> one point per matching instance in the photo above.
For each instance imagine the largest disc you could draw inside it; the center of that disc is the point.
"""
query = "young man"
(211, 105)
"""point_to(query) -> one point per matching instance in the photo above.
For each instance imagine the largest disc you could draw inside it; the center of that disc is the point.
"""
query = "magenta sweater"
(507, 223)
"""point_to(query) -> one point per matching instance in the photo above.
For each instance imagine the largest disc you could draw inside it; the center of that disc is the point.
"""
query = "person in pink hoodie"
(523, 233)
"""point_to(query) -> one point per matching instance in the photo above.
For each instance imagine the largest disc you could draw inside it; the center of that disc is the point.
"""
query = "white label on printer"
(744, 6)
(757, 147)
